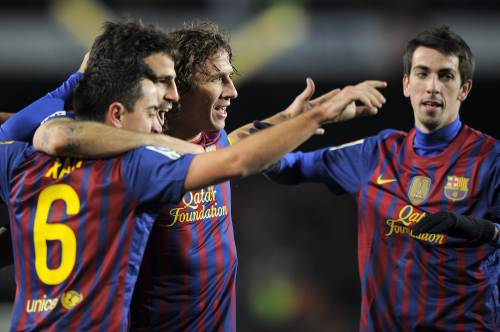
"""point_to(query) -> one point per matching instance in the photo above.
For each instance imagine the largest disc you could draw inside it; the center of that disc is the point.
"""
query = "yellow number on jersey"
(44, 231)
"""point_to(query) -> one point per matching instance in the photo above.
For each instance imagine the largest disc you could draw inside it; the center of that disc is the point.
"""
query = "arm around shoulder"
(88, 139)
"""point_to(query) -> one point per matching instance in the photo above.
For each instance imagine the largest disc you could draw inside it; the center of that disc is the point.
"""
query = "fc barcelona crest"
(420, 188)
(456, 188)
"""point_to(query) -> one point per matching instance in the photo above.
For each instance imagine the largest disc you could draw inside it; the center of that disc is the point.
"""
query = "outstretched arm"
(87, 139)
(264, 148)
(301, 105)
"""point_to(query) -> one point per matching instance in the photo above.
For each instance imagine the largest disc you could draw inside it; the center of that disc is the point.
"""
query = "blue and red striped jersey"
(187, 278)
(79, 230)
(429, 282)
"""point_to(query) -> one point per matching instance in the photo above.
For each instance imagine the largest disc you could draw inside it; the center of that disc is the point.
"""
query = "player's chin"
(431, 124)
(218, 124)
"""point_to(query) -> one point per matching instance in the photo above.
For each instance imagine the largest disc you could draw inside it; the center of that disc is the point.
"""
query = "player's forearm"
(252, 154)
(268, 146)
(86, 139)
(246, 130)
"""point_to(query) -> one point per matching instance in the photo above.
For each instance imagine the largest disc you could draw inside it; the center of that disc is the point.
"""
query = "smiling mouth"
(221, 111)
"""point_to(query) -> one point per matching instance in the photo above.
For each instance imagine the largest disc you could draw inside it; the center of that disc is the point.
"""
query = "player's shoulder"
(381, 138)
(15, 146)
(14, 152)
(391, 133)
(153, 152)
(62, 114)
(476, 135)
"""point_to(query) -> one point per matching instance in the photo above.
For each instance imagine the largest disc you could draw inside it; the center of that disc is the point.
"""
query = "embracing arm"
(87, 139)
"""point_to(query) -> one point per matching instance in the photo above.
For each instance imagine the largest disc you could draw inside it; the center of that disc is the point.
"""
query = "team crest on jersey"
(457, 188)
(71, 299)
(420, 188)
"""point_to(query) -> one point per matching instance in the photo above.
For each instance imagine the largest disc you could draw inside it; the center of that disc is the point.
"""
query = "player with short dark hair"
(79, 226)
(428, 201)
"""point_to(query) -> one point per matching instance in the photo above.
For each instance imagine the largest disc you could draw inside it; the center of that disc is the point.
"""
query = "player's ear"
(464, 90)
(114, 115)
(406, 86)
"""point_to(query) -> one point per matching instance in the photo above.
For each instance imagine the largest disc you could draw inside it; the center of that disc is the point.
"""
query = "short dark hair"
(108, 81)
(129, 40)
(447, 42)
(194, 44)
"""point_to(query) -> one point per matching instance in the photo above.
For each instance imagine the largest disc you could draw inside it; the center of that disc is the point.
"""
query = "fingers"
(367, 93)
(365, 111)
(83, 66)
(308, 91)
(372, 97)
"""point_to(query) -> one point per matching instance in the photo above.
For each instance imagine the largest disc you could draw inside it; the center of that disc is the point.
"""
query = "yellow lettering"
(54, 170)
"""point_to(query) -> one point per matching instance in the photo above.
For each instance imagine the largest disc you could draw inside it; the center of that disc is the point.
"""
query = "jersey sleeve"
(22, 125)
(155, 175)
(11, 153)
(342, 169)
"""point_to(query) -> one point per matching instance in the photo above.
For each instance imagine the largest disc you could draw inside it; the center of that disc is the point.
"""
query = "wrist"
(316, 116)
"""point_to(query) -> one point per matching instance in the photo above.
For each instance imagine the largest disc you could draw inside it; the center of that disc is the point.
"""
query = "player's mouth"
(221, 111)
(432, 105)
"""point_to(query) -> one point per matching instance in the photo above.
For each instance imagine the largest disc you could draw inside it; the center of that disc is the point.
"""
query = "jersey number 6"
(44, 231)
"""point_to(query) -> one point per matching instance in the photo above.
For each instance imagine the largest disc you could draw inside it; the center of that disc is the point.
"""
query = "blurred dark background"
(296, 245)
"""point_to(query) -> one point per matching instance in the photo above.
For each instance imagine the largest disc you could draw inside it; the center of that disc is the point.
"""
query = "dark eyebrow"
(420, 67)
(165, 78)
(447, 71)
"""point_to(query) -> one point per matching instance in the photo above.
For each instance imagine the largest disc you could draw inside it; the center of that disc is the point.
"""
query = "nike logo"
(384, 181)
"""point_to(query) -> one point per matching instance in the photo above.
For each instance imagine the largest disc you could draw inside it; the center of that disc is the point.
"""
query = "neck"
(429, 144)
(177, 129)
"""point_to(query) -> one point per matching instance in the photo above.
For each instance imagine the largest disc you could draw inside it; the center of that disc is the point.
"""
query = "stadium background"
(296, 245)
